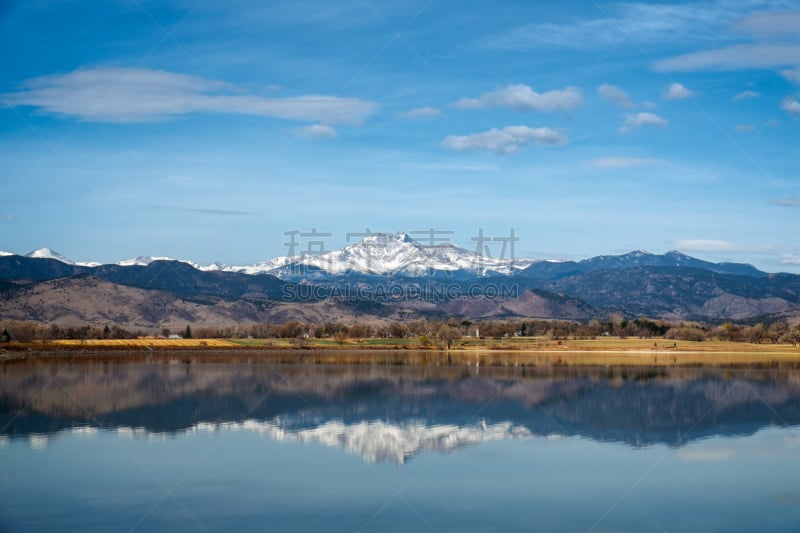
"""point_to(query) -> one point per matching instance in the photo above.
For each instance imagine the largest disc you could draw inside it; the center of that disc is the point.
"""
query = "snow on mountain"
(399, 254)
(47, 253)
(378, 254)
(217, 266)
(141, 261)
(146, 260)
(2, 253)
(263, 267)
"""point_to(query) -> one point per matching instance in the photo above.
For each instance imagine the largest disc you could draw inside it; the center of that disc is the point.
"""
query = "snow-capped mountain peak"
(47, 253)
(141, 261)
(385, 238)
(217, 266)
(399, 254)
(379, 254)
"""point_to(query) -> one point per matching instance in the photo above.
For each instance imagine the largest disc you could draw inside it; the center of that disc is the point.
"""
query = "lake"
(183, 445)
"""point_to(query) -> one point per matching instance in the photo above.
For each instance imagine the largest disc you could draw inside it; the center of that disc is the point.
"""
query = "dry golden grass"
(614, 344)
(601, 358)
(145, 343)
(625, 347)
(603, 351)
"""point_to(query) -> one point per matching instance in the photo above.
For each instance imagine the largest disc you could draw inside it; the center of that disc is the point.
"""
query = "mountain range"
(389, 277)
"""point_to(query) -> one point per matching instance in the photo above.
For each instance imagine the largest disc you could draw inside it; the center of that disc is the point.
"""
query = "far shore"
(518, 351)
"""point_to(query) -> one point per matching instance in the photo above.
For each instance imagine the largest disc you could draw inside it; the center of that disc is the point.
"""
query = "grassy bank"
(517, 351)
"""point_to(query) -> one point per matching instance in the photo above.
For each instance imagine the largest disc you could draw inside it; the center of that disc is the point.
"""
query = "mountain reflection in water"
(390, 414)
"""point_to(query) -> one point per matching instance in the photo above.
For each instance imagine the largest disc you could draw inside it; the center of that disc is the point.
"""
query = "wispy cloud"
(316, 131)
(624, 162)
(704, 245)
(676, 91)
(745, 95)
(769, 24)
(791, 105)
(637, 22)
(642, 119)
(423, 112)
(787, 202)
(792, 75)
(744, 128)
(503, 141)
(768, 30)
(201, 210)
(521, 97)
(615, 95)
(111, 94)
(736, 57)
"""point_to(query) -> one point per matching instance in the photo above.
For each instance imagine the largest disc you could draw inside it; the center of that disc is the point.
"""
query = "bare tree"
(449, 334)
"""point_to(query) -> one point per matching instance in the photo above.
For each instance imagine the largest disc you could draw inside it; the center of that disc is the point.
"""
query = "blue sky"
(206, 130)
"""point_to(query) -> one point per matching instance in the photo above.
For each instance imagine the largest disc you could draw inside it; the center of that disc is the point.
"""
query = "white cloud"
(742, 128)
(791, 105)
(642, 119)
(110, 94)
(788, 202)
(704, 245)
(745, 95)
(423, 112)
(792, 75)
(676, 91)
(507, 140)
(316, 131)
(742, 56)
(614, 94)
(624, 162)
(520, 97)
(650, 105)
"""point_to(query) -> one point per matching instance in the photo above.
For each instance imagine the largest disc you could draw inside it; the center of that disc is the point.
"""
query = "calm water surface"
(261, 447)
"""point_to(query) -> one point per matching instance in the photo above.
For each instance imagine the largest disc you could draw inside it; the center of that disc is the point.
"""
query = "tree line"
(445, 330)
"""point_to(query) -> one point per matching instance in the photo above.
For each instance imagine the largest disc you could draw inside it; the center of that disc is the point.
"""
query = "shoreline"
(683, 355)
